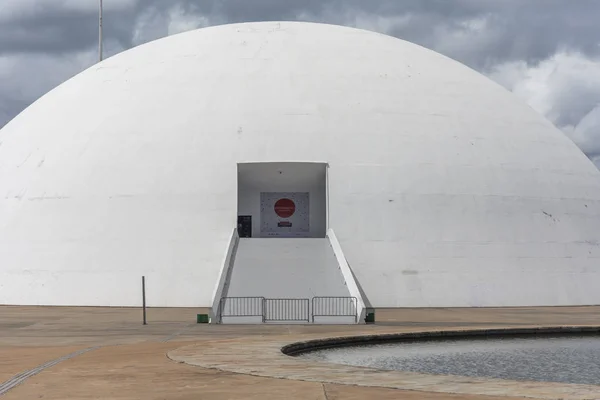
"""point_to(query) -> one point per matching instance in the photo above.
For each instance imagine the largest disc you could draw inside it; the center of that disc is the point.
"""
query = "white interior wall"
(295, 177)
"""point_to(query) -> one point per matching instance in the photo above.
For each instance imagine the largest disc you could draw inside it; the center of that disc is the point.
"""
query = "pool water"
(566, 359)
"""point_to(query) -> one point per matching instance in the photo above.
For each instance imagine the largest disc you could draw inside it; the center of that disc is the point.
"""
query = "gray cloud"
(480, 33)
(546, 51)
(514, 29)
(53, 27)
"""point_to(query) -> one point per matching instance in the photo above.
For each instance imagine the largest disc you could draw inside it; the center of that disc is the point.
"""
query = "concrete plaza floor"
(128, 360)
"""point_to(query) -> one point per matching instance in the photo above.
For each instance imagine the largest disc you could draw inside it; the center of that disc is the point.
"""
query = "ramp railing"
(281, 310)
(346, 271)
(241, 307)
(334, 306)
(224, 276)
(290, 309)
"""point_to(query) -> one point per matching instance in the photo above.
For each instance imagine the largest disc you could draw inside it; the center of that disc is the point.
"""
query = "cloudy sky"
(545, 51)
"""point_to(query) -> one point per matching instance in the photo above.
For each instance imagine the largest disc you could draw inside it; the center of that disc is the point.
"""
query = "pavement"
(174, 358)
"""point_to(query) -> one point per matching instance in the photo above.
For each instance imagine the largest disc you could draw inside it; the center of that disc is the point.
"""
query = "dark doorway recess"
(245, 226)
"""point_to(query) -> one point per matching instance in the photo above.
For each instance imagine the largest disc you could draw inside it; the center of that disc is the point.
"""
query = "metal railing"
(241, 307)
(280, 310)
(334, 306)
(295, 309)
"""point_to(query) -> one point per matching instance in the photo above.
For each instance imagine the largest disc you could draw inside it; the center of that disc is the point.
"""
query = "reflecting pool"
(567, 359)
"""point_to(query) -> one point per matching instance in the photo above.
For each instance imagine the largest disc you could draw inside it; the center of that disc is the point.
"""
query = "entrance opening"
(245, 226)
(282, 200)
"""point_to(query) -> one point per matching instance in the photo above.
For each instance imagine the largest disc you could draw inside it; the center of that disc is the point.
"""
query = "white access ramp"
(287, 280)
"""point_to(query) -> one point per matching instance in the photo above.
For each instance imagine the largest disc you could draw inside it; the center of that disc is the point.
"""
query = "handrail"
(226, 267)
(347, 274)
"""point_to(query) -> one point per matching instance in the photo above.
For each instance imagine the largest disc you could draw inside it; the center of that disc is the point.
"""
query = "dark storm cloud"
(49, 29)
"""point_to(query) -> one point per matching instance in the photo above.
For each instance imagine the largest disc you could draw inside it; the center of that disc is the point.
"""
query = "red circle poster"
(285, 208)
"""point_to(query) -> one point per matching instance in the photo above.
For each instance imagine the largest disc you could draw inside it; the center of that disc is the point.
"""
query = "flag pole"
(100, 32)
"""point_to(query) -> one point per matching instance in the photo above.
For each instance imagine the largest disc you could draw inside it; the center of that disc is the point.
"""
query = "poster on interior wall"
(284, 214)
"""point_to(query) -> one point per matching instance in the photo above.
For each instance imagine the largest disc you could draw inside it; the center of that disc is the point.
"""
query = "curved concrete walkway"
(263, 357)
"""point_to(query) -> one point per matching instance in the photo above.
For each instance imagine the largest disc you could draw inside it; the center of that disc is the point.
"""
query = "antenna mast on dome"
(100, 32)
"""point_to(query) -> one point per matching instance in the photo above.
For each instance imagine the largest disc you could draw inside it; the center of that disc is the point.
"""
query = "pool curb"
(301, 347)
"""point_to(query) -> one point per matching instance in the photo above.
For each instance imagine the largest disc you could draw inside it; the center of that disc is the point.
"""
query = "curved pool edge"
(298, 348)
(264, 357)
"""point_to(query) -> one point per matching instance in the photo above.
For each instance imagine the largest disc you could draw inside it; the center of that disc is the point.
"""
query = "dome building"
(280, 160)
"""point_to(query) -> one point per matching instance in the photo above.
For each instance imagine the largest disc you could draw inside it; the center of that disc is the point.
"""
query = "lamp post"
(100, 32)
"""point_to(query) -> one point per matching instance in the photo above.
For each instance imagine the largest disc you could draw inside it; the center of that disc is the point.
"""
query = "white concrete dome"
(442, 188)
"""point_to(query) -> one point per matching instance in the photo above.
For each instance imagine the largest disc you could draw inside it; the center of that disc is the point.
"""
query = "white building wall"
(85, 247)
(469, 249)
(444, 190)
